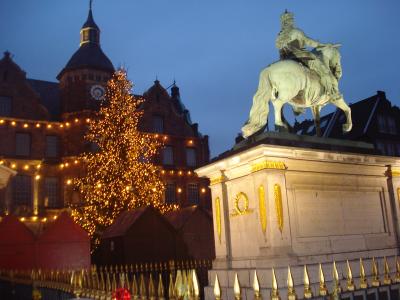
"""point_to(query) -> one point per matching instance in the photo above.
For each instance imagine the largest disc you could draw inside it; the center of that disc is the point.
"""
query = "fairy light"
(76, 120)
(179, 190)
(49, 126)
(203, 190)
(37, 177)
(106, 190)
(26, 125)
(37, 125)
(13, 166)
(190, 142)
(22, 219)
(1, 162)
(13, 123)
(44, 220)
(26, 167)
(1, 121)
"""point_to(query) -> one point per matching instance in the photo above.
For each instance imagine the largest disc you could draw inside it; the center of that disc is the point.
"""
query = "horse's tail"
(259, 111)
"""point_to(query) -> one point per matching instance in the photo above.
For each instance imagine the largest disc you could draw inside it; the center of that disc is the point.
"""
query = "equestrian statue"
(303, 78)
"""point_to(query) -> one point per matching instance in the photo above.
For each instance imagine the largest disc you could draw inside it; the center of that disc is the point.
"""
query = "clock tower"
(84, 77)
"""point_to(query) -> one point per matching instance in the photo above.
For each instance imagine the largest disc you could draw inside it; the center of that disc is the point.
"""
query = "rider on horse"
(291, 43)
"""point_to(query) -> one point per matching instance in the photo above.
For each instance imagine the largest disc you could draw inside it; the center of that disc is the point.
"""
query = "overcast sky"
(214, 49)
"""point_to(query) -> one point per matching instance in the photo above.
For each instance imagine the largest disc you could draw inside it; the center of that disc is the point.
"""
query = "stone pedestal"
(275, 206)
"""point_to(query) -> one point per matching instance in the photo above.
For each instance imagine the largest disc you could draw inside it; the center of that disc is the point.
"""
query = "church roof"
(89, 55)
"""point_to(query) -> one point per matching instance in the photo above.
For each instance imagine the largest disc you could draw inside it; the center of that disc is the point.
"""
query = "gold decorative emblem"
(217, 180)
(278, 206)
(241, 205)
(396, 173)
(268, 164)
(262, 208)
(218, 217)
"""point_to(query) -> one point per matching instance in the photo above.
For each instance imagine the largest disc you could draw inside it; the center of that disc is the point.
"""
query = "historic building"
(42, 127)
(375, 121)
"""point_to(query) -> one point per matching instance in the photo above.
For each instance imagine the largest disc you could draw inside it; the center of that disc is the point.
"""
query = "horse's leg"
(278, 104)
(347, 111)
(317, 122)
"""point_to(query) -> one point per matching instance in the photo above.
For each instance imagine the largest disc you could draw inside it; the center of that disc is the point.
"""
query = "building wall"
(29, 117)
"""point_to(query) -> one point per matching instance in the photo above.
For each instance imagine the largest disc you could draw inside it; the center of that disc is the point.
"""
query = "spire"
(90, 32)
(175, 90)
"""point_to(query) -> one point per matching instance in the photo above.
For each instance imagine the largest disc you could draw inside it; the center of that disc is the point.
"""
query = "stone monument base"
(279, 205)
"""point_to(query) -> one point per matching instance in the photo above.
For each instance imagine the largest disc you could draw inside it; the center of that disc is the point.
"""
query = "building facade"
(42, 128)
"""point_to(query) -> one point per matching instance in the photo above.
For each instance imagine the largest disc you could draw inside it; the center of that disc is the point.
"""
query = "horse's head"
(330, 55)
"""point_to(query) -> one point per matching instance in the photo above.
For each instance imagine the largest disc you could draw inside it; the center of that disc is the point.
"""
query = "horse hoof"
(347, 127)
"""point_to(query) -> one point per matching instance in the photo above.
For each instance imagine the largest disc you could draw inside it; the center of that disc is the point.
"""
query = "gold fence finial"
(308, 294)
(290, 285)
(142, 288)
(236, 288)
(160, 288)
(179, 285)
(349, 278)
(196, 288)
(152, 289)
(386, 279)
(337, 289)
(256, 287)
(375, 273)
(217, 288)
(397, 277)
(171, 289)
(363, 277)
(134, 288)
(323, 291)
(274, 289)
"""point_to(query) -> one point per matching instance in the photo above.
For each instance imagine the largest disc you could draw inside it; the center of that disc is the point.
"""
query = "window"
(158, 124)
(168, 155)
(5, 106)
(191, 157)
(22, 144)
(23, 190)
(193, 193)
(51, 196)
(51, 146)
(170, 193)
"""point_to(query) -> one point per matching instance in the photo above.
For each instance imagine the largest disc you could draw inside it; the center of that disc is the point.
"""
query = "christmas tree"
(121, 174)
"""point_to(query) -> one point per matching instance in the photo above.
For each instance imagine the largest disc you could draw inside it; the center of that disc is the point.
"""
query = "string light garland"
(121, 175)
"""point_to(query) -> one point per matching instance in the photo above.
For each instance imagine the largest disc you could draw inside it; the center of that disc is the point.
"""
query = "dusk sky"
(214, 49)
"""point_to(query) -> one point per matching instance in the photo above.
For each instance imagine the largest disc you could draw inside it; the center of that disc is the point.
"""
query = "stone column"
(222, 238)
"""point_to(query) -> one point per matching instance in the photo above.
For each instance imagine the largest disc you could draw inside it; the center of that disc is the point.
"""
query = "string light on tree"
(121, 175)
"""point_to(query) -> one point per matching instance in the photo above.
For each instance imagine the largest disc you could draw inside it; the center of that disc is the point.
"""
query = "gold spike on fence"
(256, 287)
(274, 289)
(290, 285)
(323, 291)
(217, 288)
(375, 274)
(349, 278)
(386, 279)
